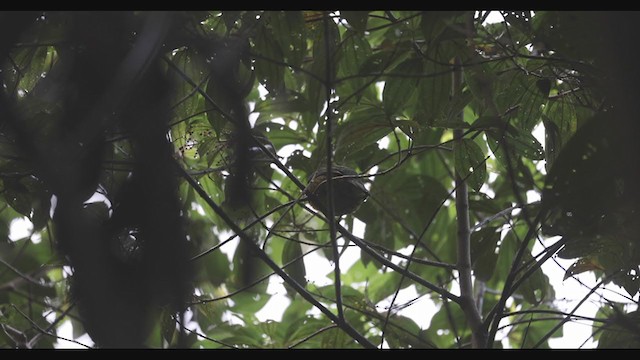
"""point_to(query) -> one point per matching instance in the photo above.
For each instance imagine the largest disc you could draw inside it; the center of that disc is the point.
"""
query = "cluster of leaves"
(395, 111)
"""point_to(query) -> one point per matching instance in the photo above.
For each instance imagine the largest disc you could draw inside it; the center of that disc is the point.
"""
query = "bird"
(349, 192)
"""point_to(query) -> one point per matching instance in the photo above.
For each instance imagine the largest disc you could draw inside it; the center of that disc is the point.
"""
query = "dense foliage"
(161, 160)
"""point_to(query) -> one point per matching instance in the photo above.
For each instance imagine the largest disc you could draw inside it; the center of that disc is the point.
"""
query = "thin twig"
(570, 314)
(52, 325)
(256, 282)
(203, 335)
(217, 246)
(44, 332)
(317, 332)
(264, 257)
(24, 276)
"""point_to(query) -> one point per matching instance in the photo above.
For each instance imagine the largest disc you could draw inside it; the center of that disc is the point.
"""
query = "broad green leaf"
(377, 63)
(353, 53)
(383, 285)
(358, 273)
(296, 310)
(363, 127)
(336, 339)
(470, 163)
(280, 106)
(451, 112)
(403, 332)
(189, 65)
(518, 142)
(268, 65)
(217, 267)
(483, 252)
(281, 135)
(402, 85)
(289, 32)
(249, 302)
(621, 332)
(316, 91)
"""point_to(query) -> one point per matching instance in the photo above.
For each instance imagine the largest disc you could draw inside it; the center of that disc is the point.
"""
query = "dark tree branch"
(467, 303)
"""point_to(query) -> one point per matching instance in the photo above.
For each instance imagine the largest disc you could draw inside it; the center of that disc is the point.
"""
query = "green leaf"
(442, 323)
(217, 267)
(517, 141)
(296, 310)
(488, 122)
(316, 93)
(398, 89)
(535, 288)
(383, 285)
(250, 302)
(268, 65)
(352, 54)
(289, 32)
(532, 329)
(621, 331)
(280, 106)
(433, 102)
(292, 251)
(483, 252)
(281, 135)
(433, 23)
(364, 126)
(356, 19)
(377, 62)
(403, 332)
(336, 339)
(527, 145)
(191, 66)
(470, 162)
(247, 269)
(298, 161)
(451, 112)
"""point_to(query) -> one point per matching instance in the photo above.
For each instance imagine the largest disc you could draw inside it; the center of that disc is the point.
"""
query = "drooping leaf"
(292, 253)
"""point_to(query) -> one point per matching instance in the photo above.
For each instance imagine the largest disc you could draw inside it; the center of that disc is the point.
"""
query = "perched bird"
(349, 191)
